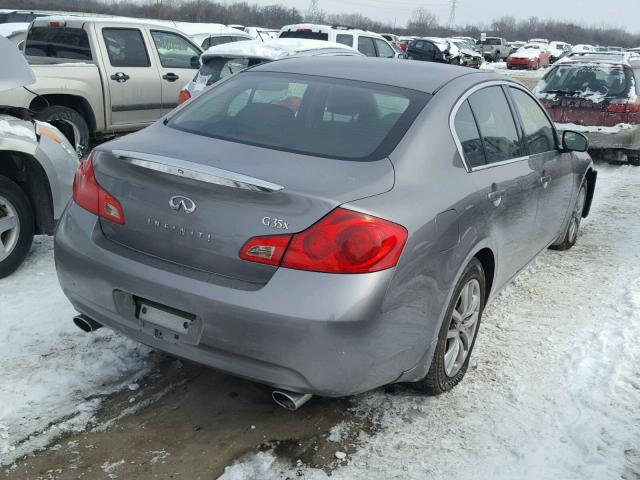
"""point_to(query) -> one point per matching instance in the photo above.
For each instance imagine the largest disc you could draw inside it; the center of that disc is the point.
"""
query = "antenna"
(452, 14)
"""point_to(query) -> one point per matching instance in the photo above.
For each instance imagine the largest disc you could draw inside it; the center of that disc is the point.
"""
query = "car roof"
(273, 49)
(327, 28)
(426, 77)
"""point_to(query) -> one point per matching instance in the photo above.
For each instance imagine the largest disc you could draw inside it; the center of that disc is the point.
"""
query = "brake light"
(184, 96)
(57, 24)
(307, 30)
(344, 241)
(88, 194)
(624, 106)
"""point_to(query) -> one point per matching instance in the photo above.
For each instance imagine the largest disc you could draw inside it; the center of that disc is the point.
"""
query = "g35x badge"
(276, 223)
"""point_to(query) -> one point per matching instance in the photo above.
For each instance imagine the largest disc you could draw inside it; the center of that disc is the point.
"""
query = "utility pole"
(452, 15)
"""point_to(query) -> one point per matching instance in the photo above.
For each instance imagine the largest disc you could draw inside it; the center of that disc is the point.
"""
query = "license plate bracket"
(150, 312)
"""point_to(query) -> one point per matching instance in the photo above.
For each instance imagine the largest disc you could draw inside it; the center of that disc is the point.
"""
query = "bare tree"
(422, 21)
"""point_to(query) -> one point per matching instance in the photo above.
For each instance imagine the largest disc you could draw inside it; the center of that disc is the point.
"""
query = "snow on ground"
(554, 387)
(52, 375)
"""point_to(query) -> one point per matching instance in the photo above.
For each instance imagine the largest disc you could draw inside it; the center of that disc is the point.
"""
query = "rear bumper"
(627, 139)
(302, 331)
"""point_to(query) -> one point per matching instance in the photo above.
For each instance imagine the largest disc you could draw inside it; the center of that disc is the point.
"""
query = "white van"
(368, 43)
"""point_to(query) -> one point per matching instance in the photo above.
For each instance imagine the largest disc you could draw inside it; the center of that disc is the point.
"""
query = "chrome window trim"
(452, 127)
(194, 171)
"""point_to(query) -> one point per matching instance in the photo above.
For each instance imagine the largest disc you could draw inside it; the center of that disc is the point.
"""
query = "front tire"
(17, 226)
(571, 234)
(458, 333)
(72, 125)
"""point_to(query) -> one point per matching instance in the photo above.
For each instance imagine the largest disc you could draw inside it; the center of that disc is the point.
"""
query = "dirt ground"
(198, 422)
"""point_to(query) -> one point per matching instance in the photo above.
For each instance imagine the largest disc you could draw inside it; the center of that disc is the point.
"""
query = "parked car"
(224, 60)
(98, 76)
(394, 41)
(37, 165)
(320, 251)
(495, 49)
(543, 41)
(558, 50)
(263, 34)
(515, 46)
(433, 49)
(615, 49)
(580, 48)
(598, 95)
(368, 43)
(405, 41)
(531, 57)
(469, 55)
(208, 35)
(21, 16)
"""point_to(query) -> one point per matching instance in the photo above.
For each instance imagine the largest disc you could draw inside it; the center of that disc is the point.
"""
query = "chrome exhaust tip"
(290, 400)
(86, 324)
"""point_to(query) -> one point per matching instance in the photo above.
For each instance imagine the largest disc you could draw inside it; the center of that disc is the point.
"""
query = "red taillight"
(88, 194)
(57, 24)
(624, 106)
(342, 242)
(269, 249)
(184, 96)
(306, 30)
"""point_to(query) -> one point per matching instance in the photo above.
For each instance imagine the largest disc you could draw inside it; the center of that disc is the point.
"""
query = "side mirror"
(574, 141)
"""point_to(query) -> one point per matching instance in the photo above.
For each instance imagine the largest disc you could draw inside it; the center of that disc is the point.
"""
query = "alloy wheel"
(9, 228)
(462, 328)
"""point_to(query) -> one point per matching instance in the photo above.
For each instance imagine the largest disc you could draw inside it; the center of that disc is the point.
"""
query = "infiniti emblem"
(178, 202)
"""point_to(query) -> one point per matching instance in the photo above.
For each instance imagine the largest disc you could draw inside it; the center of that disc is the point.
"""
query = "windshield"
(609, 80)
(304, 114)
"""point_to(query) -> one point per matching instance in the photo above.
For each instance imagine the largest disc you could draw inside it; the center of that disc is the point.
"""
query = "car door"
(506, 181)
(366, 46)
(135, 96)
(384, 49)
(178, 60)
(555, 169)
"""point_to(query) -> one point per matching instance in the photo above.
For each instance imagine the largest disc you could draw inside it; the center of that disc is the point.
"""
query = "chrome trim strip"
(454, 112)
(194, 171)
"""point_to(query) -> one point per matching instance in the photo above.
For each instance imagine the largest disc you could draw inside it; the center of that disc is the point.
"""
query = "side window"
(538, 130)
(125, 47)
(496, 125)
(345, 39)
(365, 46)
(418, 44)
(429, 47)
(174, 51)
(384, 50)
(469, 136)
(206, 43)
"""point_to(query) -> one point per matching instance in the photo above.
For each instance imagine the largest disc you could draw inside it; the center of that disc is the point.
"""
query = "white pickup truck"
(99, 76)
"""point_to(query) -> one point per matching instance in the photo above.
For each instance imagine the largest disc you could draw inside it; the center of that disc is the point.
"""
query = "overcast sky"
(615, 13)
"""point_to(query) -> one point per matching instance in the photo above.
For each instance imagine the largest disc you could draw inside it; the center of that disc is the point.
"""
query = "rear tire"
(571, 233)
(634, 159)
(17, 225)
(71, 124)
(458, 333)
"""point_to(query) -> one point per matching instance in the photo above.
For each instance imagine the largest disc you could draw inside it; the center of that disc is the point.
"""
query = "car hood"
(469, 53)
(17, 72)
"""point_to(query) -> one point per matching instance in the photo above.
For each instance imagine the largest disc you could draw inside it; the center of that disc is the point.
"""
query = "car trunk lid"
(195, 201)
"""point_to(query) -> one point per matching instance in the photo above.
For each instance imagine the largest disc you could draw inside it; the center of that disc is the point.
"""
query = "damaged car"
(37, 165)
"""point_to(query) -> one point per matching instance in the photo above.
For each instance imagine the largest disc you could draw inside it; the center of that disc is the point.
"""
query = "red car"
(597, 95)
(531, 56)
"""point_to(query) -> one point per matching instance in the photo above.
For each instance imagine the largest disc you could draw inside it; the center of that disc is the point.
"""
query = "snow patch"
(594, 128)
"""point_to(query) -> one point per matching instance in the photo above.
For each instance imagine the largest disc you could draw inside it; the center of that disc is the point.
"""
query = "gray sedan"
(323, 225)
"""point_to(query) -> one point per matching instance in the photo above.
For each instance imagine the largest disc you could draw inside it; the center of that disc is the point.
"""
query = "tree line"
(422, 22)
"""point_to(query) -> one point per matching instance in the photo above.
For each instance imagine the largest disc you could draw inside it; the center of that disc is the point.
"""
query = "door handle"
(496, 197)
(545, 180)
(120, 77)
(170, 77)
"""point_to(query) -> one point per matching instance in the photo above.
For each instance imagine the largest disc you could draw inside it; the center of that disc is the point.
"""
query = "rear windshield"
(605, 80)
(305, 34)
(215, 69)
(304, 114)
(58, 42)
(490, 41)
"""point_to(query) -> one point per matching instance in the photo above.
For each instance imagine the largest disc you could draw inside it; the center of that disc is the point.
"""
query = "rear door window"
(345, 39)
(58, 42)
(469, 136)
(384, 50)
(304, 114)
(538, 131)
(175, 51)
(125, 47)
(366, 47)
(496, 125)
